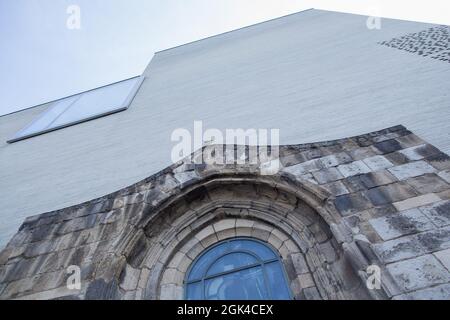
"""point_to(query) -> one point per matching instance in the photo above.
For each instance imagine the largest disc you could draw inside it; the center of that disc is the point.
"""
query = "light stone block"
(418, 273)
(440, 292)
(412, 169)
(224, 224)
(402, 223)
(444, 257)
(416, 202)
(131, 278)
(306, 280)
(377, 163)
(438, 213)
(354, 168)
(412, 153)
(445, 175)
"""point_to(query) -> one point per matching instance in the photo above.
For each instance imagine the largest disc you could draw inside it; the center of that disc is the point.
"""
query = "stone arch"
(293, 216)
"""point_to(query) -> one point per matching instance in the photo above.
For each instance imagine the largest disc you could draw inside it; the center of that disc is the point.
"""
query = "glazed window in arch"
(237, 269)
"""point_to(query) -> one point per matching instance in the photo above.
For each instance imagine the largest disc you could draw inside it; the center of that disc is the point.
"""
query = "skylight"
(82, 107)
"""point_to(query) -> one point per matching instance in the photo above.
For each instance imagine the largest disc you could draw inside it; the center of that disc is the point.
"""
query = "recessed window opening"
(237, 269)
(82, 107)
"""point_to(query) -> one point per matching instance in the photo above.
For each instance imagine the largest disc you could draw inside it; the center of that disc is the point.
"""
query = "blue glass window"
(237, 269)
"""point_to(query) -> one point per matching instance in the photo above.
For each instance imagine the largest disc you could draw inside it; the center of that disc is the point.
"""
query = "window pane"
(81, 107)
(230, 262)
(96, 102)
(199, 269)
(262, 251)
(242, 285)
(194, 291)
(277, 283)
(46, 118)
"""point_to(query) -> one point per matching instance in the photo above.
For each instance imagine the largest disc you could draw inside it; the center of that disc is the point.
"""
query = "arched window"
(239, 269)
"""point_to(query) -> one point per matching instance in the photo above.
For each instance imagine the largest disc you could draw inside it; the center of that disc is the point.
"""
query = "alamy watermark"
(373, 281)
(230, 146)
(73, 21)
(373, 22)
(74, 280)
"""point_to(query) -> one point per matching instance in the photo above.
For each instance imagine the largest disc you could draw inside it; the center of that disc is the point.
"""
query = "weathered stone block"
(445, 174)
(386, 136)
(402, 223)
(336, 188)
(438, 213)
(440, 161)
(353, 168)
(172, 276)
(396, 158)
(224, 224)
(377, 163)
(428, 183)
(410, 140)
(412, 169)
(77, 224)
(414, 245)
(328, 251)
(306, 280)
(228, 233)
(305, 167)
(311, 294)
(351, 203)
(388, 146)
(390, 193)
(129, 278)
(327, 175)
(299, 263)
(416, 201)
(439, 292)
(444, 257)
(100, 289)
(418, 273)
(335, 159)
(363, 152)
(419, 152)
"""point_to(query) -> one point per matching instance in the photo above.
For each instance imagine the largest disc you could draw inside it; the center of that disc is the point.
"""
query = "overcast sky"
(41, 59)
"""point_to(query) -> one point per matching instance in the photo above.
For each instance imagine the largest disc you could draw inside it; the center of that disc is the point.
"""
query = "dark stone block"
(440, 161)
(388, 146)
(363, 141)
(391, 193)
(138, 252)
(198, 194)
(396, 158)
(101, 290)
(369, 180)
(69, 297)
(428, 150)
(351, 203)
(378, 197)
(42, 232)
(428, 183)
(434, 240)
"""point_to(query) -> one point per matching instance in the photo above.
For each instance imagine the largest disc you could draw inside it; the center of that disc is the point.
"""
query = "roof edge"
(241, 28)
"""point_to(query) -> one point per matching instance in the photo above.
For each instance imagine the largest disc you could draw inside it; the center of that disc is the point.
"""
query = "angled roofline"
(241, 28)
(202, 39)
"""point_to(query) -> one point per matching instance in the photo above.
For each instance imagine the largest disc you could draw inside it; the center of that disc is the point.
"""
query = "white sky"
(42, 60)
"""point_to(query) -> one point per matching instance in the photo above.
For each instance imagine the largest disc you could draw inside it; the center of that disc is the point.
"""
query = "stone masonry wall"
(385, 197)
